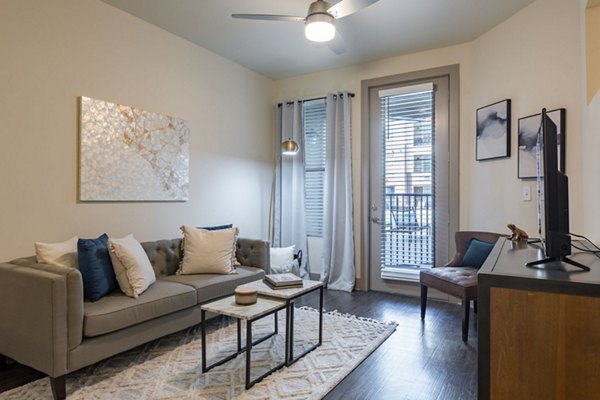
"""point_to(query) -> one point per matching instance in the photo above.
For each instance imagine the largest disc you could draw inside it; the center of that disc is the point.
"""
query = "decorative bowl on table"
(245, 296)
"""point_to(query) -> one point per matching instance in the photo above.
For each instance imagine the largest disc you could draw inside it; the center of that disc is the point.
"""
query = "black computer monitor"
(557, 240)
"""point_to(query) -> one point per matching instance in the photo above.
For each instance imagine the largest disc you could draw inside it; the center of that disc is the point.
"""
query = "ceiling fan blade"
(337, 44)
(347, 7)
(268, 17)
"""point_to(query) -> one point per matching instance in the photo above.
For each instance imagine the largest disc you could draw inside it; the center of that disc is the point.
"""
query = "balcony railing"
(407, 234)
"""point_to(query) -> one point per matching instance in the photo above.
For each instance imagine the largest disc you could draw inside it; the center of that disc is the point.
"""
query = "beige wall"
(532, 58)
(53, 52)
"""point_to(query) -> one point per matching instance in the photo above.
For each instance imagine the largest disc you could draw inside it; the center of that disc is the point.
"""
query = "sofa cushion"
(117, 311)
(211, 286)
(459, 282)
(164, 255)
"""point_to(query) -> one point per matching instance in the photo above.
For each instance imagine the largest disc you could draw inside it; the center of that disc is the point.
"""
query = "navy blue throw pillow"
(476, 254)
(96, 268)
(216, 227)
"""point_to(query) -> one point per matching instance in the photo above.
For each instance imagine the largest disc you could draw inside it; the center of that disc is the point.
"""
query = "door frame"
(450, 71)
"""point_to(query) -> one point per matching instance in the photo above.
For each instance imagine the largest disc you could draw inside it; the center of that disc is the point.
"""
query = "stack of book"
(283, 281)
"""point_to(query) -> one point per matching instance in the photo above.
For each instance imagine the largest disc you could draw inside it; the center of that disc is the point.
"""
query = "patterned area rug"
(170, 368)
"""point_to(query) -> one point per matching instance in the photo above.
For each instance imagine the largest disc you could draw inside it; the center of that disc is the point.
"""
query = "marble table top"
(229, 307)
(265, 290)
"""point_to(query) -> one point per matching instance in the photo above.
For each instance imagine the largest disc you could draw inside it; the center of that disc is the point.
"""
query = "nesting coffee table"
(249, 313)
(289, 296)
(269, 302)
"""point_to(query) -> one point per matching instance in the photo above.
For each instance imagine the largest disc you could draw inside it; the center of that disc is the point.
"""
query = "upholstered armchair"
(458, 278)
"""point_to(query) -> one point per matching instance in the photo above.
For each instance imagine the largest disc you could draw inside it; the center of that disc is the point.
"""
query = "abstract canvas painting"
(529, 133)
(128, 154)
(493, 131)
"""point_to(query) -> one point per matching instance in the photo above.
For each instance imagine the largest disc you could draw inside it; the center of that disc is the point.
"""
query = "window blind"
(314, 164)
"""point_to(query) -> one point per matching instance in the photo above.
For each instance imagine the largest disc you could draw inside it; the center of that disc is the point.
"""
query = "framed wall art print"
(529, 134)
(493, 131)
(128, 154)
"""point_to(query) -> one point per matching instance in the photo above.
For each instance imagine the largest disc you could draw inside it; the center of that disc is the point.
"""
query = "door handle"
(376, 220)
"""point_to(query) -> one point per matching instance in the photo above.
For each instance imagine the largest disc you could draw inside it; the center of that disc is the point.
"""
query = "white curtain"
(289, 215)
(337, 263)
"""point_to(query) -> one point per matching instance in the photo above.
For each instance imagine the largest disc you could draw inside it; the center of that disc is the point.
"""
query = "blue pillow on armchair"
(476, 254)
(96, 268)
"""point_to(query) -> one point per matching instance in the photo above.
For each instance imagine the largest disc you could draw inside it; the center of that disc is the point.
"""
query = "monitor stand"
(551, 263)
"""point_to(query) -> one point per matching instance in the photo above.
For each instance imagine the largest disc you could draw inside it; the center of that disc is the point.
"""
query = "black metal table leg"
(203, 330)
(240, 349)
(249, 383)
(321, 315)
(239, 334)
(290, 358)
(287, 333)
(249, 344)
(291, 306)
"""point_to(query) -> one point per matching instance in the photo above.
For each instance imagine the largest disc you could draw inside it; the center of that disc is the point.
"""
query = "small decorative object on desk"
(517, 233)
(283, 281)
(245, 296)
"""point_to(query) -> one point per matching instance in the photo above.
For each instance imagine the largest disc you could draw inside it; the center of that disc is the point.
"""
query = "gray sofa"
(48, 325)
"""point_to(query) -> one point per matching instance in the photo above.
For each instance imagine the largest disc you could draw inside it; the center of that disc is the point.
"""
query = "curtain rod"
(315, 98)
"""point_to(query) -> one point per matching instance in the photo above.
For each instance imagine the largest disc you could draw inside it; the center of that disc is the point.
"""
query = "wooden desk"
(539, 330)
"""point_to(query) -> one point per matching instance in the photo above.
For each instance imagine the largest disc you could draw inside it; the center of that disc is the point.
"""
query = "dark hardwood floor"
(425, 361)
(419, 361)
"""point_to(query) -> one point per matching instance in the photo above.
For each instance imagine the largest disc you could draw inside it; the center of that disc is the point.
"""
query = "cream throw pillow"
(131, 264)
(208, 252)
(63, 254)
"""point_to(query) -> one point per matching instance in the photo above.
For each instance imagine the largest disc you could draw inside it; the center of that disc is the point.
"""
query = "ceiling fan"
(319, 21)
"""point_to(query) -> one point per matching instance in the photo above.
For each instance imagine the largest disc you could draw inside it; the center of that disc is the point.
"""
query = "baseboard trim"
(412, 289)
(360, 285)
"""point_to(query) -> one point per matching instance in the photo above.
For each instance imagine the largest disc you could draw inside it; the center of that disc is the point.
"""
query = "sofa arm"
(254, 253)
(41, 314)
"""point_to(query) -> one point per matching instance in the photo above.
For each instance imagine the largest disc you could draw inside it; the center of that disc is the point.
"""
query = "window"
(422, 135)
(421, 189)
(422, 164)
(314, 164)
(407, 233)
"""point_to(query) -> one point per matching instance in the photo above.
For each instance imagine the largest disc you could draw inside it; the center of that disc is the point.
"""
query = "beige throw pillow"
(63, 254)
(131, 264)
(208, 252)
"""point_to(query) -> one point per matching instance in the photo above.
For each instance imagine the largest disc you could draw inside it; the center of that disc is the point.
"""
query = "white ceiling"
(279, 50)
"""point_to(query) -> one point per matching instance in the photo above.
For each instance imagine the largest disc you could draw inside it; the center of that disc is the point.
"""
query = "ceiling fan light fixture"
(320, 19)
(319, 28)
(320, 25)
